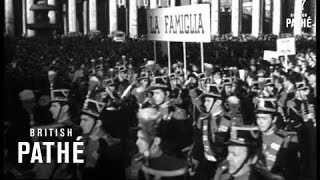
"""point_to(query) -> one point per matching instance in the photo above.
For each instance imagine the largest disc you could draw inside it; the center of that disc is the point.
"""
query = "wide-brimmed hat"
(269, 82)
(265, 105)
(158, 82)
(245, 135)
(143, 75)
(301, 86)
(59, 95)
(214, 90)
(93, 108)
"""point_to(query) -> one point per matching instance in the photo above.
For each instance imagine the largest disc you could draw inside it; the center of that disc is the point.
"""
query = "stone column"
(257, 17)
(194, 2)
(236, 16)
(113, 9)
(85, 17)
(133, 18)
(215, 17)
(52, 14)
(65, 19)
(172, 3)
(24, 18)
(276, 17)
(93, 15)
(72, 16)
(153, 4)
(9, 17)
(30, 17)
(297, 29)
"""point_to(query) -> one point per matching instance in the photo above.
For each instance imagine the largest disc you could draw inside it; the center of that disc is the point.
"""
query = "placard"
(286, 46)
(268, 55)
(189, 23)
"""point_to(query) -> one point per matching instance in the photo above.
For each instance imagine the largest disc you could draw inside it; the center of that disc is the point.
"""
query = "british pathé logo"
(305, 21)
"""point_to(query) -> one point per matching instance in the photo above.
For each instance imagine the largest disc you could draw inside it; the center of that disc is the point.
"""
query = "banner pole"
(184, 59)
(169, 57)
(286, 62)
(154, 51)
(202, 57)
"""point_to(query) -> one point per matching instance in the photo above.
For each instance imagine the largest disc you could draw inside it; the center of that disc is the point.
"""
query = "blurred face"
(264, 122)
(192, 80)
(269, 89)
(278, 85)
(227, 89)
(29, 105)
(174, 82)
(287, 83)
(142, 143)
(208, 102)
(217, 76)
(181, 79)
(100, 73)
(253, 68)
(236, 156)
(55, 110)
(124, 75)
(261, 79)
(297, 69)
(312, 79)
(159, 96)
(86, 124)
(249, 80)
(111, 88)
(144, 82)
(201, 84)
(302, 94)
(120, 76)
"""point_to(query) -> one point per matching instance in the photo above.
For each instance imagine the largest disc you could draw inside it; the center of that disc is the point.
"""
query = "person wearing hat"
(288, 88)
(152, 145)
(209, 148)
(268, 88)
(279, 147)
(301, 118)
(122, 79)
(63, 114)
(140, 90)
(109, 93)
(174, 127)
(27, 99)
(19, 124)
(102, 152)
(60, 105)
(227, 84)
(244, 147)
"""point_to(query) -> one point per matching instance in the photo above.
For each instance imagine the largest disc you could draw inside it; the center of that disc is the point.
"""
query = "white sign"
(268, 55)
(286, 46)
(189, 23)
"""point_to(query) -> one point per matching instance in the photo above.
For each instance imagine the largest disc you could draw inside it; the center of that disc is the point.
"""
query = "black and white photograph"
(160, 89)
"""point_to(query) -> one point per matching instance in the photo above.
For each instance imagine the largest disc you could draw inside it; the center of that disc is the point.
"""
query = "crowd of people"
(244, 117)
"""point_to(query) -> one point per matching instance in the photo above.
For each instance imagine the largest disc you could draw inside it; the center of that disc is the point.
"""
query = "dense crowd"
(244, 117)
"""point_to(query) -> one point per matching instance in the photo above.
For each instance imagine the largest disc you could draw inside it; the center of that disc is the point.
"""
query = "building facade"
(227, 16)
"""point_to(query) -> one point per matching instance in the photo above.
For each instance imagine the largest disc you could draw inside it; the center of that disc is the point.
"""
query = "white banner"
(286, 46)
(183, 23)
(268, 55)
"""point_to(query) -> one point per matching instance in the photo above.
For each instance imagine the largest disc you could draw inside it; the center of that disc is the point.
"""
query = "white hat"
(26, 94)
